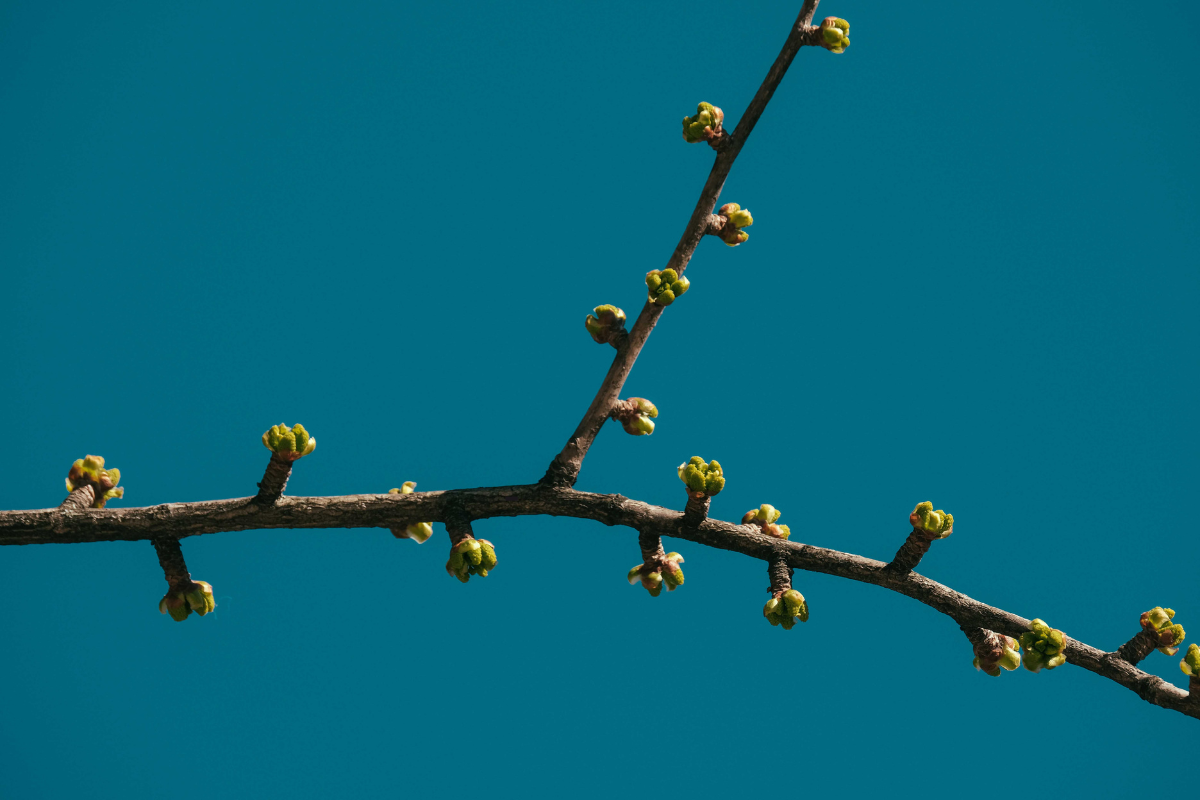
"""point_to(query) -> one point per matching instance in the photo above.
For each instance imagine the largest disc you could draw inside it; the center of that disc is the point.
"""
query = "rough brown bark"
(170, 558)
(911, 552)
(780, 574)
(696, 510)
(1137, 648)
(274, 481)
(397, 510)
(80, 499)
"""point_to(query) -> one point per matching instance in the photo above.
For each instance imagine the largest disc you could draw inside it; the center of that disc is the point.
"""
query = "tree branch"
(179, 520)
(564, 469)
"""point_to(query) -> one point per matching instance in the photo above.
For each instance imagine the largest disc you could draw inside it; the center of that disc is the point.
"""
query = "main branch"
(394, 511)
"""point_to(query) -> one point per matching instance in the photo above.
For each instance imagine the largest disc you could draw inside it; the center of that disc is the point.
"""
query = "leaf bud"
(289, 444)
(835, 34)
(705, 125)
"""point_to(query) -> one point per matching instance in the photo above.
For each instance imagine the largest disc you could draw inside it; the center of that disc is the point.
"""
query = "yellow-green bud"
(90, 471)
(764, 517)
(705, 125)
(606, 322)
(935, 524)
(199, 597)
(1158, 626)
(290, 444)
(736, 218)
(786, 608)
(419, 532)
(1044, 647)
(701, 478)
(835, 34)
(665, 286)
(1191, 661)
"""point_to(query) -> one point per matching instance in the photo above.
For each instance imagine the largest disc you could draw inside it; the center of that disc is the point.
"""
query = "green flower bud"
(1157, 624)
(184, 598)
(835, 34)
(935, 524)
(764, 517)
(634, 415)
(785, 608)
(173, 603)
(471, 557)
(736, 218)
(199, 597)
(1044, 647)
(418, 531)
(995, 652)
(290, 444)
(671, 573)
(701, 478)
(608, 321)
(705, 125)
(665, 286)
(90, 471)
(1191, 661)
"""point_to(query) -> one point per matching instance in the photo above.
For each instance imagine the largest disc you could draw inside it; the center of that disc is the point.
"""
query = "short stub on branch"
(927, 526)
(728, 222)
(287, 446)
(1158, 632)
(658, 567)
(786, 605)
(993, 651)
(184, 595)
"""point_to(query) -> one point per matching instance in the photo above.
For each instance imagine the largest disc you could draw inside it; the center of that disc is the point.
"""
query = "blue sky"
(972, 279)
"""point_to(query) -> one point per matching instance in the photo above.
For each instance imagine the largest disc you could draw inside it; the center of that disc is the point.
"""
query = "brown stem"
(653, 554)
(458, 524)
(696, 510)
(1137, 648)
(780, 573)
(389, 510)
(170, 558)
(911, 552)
(274, 481)
(80, 499)
(564, 469)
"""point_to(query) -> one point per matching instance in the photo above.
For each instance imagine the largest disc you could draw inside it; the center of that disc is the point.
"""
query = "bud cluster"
(636, 415)
(995, 651)
(607, 323)
(289, 444)
(1191, 663)
(785, 607)
(705, 126)
(90, 471)
(765, 517)
(932, 524)
(658, 570)
(736, 218)
(1043, 647)
(1166, 636)
(835, 34)
(665, 286)
(185, 597)
(418, 531)
(471, 556)
(702, 479)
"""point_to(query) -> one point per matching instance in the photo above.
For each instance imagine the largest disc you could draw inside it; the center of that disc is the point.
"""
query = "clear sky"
(972, 279)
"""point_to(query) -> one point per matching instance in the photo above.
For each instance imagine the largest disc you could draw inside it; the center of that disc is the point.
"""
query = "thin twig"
(564, 469)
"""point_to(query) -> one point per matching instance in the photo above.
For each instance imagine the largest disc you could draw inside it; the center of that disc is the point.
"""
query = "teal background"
(972, 279)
